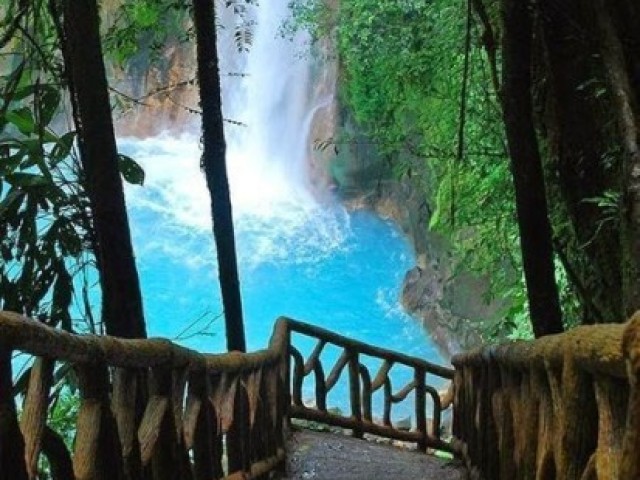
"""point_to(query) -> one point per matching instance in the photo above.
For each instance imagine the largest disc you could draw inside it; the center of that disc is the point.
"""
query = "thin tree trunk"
(526, 165)
(489, 43)
(216, 171)
(122, 313)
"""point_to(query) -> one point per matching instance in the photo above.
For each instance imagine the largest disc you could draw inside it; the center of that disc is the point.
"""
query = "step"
(332, 456)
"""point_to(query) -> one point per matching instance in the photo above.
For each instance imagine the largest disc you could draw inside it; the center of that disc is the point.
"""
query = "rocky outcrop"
(438, 292)
(166, 95)
(423, 294)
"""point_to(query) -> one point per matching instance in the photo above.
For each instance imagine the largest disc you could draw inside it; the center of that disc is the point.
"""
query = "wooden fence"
(563, 407)
(362, 386)
(152, 410)
(199, 416)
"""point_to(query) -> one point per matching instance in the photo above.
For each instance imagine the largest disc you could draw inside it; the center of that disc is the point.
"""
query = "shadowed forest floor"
(329, 456)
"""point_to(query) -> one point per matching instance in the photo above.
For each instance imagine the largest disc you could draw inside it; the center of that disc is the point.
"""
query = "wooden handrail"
(196, 402)
(565, 406)
(366, 349)
(194, 406)
(27, 335)
(360, 418)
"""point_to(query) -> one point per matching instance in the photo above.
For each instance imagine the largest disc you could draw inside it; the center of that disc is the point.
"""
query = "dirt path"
(329, 456)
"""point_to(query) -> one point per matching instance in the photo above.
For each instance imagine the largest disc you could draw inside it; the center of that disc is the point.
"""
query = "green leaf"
(23, 92)
(27, 180)
(22, 119)
(49, 103)
(62, 148)
(131, 170)
(69, 238)
(12, 162)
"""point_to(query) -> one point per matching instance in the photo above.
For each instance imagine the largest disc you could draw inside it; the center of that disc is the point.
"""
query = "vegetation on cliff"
(425, 83)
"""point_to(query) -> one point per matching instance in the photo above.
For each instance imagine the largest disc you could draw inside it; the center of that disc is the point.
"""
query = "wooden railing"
(563, 407)
(150, 409)
(362, 387)
(200, 416)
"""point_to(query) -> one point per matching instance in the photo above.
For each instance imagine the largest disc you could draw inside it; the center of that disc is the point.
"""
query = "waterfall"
(266, 157)
(299, 253)
(271, 100)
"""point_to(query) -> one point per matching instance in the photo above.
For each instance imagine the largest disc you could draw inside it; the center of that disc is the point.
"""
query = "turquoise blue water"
(353, 291)
(313, 262)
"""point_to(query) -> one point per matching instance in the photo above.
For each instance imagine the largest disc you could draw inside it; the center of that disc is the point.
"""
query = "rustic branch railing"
(566, 406)
(197, 407)
(152, 410)
(362, 387)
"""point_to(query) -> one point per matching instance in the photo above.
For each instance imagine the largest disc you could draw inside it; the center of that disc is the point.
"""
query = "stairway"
(331, 456)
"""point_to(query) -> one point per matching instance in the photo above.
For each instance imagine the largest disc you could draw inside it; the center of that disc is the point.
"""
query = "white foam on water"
(276, 217)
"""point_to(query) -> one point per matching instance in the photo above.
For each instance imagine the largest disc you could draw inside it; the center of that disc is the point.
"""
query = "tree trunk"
(216, 171)
(580, 139)
(626, 108)
(122, 313)
(526, 165)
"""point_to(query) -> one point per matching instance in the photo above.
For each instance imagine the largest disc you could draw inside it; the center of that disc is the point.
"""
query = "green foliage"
(141, 30)
(63, 414)
(131, 171)
(312, 16)
(402, 71)
(44, 213)
(45, 217)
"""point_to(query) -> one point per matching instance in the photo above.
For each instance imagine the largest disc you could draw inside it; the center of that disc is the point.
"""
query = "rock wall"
(438, 292)
(169, 95)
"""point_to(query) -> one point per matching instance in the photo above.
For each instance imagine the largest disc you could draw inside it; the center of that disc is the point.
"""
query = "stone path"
(330, 456)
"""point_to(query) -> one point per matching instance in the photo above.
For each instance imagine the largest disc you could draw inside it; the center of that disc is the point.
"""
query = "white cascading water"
(268, 91)
(274, 103)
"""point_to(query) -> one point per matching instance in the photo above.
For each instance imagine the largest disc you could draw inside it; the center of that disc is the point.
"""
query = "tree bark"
(526, 165)
(626, 108)
(122, 312)
(579, 138)
(216, 171)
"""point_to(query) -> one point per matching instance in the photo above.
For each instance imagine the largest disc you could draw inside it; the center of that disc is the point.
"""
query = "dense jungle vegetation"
(520, 125)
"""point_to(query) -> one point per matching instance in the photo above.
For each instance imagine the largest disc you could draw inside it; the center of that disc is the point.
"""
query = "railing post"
(238, 435)
(630, 467)
(157, 433)
(12, 466)
(201, 428)
(576, 438)
(98, 454)
(34, 413)
(421, 408)
(354, 390)
(491, 397)
(127, 404)
(286, 379)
